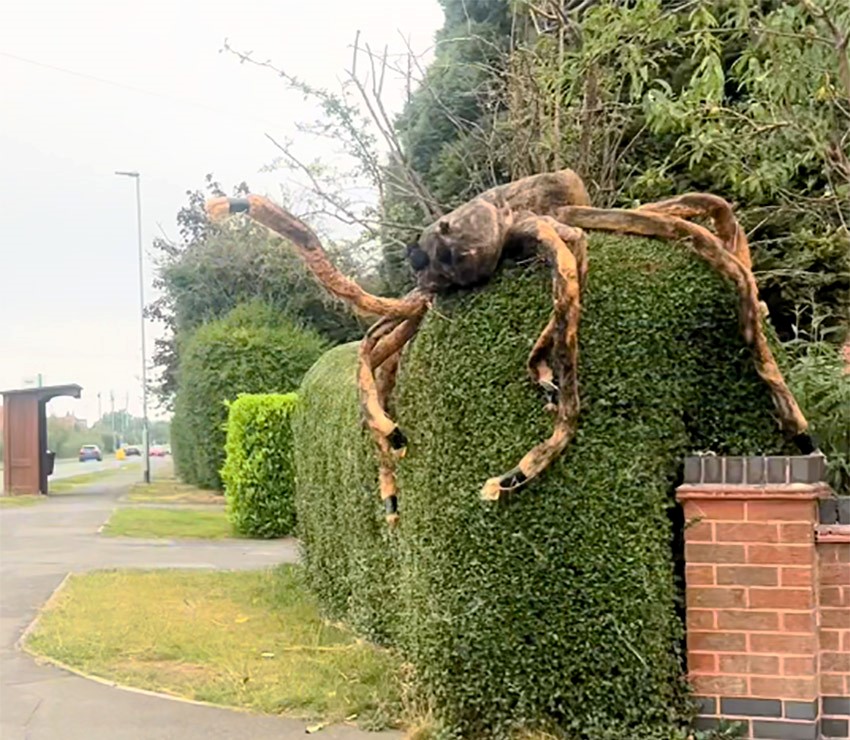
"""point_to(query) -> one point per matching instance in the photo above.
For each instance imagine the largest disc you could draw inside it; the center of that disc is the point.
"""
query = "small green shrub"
(556, 610)
(251, 350)
(258, 474)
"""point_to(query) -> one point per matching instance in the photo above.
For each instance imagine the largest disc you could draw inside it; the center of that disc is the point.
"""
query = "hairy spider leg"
(567, 311)
(648, 222)
(380, 351)
(706, 205)
(283, 223)
(539, 367)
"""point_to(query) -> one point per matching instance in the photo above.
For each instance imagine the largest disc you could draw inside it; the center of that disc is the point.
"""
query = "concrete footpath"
(39, 546)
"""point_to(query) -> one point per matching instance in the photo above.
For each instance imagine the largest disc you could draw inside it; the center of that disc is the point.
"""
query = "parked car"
(158, 451)
(90, 452)
(132, 450)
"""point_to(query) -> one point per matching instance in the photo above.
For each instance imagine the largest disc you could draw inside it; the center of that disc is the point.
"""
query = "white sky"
(68, 260)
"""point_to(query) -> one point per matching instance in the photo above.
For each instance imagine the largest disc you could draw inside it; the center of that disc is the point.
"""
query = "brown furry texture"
(538, 214)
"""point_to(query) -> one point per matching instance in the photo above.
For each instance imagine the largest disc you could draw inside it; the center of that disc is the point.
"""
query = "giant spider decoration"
(543, 213)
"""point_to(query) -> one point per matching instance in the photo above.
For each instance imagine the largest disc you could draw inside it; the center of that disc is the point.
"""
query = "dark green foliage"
(445, 124)
(347, 551)
(820, 379)
(744, 99)
(557, 609)
(258, 473)
(251, 350)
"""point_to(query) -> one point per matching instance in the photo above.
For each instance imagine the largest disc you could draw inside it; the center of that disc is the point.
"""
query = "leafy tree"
(214, 268)
(746, 99)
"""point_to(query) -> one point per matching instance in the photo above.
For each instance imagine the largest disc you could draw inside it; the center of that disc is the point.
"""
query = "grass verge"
(14, 502)
(76, 482)
(171, 491)
(250, 639)
(169, 524)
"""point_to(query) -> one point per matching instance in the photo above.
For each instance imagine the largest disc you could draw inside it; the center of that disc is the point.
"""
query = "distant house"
(69, 421)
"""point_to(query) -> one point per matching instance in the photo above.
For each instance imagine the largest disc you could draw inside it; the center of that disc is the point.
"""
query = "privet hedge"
(556, 609)
(258, 472)
(348, 553)
(251, 350)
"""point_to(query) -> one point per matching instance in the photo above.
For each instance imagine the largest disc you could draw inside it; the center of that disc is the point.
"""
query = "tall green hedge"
(347, 551)
(258, 472)
(557, 609)
(253, 349)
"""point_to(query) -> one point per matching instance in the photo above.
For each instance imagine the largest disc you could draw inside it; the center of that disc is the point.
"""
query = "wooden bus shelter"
(25, 459)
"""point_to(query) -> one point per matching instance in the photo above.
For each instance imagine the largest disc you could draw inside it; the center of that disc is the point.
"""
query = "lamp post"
(145, 435)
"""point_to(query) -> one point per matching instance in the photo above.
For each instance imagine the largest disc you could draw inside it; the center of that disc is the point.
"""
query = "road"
(70, 467)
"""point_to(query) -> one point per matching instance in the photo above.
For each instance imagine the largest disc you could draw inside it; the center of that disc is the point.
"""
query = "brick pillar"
(833, 547)
(752, 591)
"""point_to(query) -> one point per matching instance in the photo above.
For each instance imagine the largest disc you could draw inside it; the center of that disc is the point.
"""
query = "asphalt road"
(71, 467)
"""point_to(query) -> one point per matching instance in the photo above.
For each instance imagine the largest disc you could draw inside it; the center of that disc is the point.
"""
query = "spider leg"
(379, 356)
(562, 334)
(708, 246)
(538, 363)
(283, 223)
(705, 205)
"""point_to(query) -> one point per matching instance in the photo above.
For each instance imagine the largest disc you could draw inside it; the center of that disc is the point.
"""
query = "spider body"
(542, 214)
(464, 248)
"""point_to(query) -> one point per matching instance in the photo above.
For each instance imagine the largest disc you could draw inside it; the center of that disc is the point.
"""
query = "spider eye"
(444, 254)
(419, 259)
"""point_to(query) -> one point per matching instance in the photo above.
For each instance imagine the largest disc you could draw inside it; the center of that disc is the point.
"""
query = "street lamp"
(145, 435)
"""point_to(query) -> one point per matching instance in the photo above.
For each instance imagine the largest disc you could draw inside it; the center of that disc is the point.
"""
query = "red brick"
(702, 663)
(846, 641)
(716, 597)
(700, 619)
(831, 685)
(798, 622)
(747, 575)
(746, 532)
(779, 554)
(764, 665)
(784, 688)
(699, 575)
(783, 510)
(715, 510)
(781, 598)
(783, 644)
(748, 621)
(706, 553)
(835, 662)
(722, 685)
(829, 640)
(700, 532)
(800, 533)
(797, 576)
(798, 667)
(730, 642)
(831, 596)
(834, 552)
(835, 574)
(834, 619)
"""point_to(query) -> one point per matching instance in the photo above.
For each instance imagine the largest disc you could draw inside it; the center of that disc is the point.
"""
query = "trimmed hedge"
(347, 550)
(258, 472)
(253, 349)
(558, 609)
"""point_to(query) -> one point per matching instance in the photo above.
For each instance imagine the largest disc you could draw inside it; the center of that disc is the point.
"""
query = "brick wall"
(768, 605)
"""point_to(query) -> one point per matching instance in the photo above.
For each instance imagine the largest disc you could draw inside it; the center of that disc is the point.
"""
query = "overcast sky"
(144, 88)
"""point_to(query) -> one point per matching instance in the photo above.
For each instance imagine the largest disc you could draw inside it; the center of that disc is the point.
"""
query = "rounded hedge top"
(251, 350)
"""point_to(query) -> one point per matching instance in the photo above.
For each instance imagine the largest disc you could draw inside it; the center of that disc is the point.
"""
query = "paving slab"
(39, 546)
